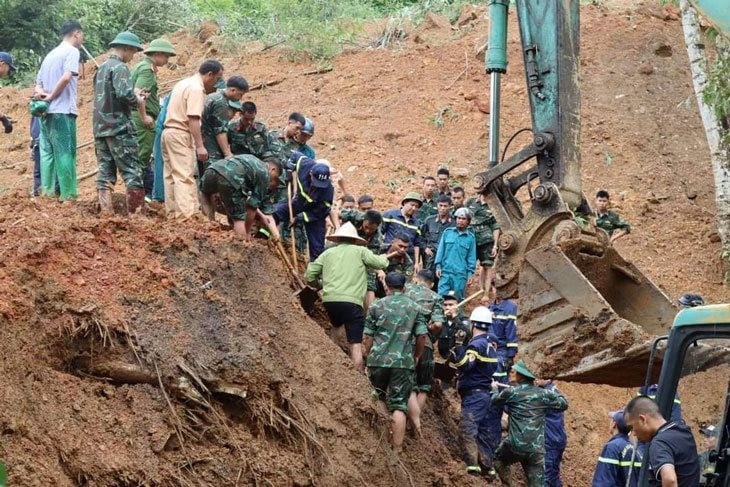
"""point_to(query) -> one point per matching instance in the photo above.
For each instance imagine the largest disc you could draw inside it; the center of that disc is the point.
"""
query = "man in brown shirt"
(182, 141)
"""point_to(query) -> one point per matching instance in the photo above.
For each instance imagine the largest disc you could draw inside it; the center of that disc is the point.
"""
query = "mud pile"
(142, 352)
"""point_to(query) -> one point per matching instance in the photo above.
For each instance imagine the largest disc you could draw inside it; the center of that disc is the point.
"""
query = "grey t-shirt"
(63, 58)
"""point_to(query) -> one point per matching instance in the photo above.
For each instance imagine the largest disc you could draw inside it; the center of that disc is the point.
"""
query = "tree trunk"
(713, 130)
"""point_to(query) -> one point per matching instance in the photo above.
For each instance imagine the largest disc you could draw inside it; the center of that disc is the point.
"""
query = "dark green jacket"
(114, 99)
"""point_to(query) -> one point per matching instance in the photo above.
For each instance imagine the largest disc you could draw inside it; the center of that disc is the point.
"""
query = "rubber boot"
(106, 207)
(135, 202)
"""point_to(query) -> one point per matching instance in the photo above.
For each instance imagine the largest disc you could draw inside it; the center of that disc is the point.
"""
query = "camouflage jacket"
(404, 265)
(428, 207)
(283, 149)
(247, 174)
(611, 221)
(394, 322)
(428, 300)
(144, 78)
(214, 122)
(528, 404)
(483, 223)
(356, 217)
(253, 140)
(114, 99)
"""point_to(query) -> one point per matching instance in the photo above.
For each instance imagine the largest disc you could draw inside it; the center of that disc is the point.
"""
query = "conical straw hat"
(347, 233)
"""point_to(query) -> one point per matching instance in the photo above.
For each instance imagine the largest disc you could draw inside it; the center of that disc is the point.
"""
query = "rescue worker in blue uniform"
(504, 328)
(556, 440)
(619, 462)
(312, 203)
(480, 422)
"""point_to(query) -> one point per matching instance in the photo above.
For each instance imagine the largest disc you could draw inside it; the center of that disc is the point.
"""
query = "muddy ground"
(254, 391)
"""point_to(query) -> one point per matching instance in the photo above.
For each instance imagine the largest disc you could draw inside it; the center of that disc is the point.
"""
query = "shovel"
(292, 239)
(308, 296)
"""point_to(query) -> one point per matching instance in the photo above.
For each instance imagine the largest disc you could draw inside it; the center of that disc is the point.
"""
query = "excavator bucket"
(588, 315)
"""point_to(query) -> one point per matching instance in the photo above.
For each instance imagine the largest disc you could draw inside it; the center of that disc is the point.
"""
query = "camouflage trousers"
(533, 465)
(118, 153)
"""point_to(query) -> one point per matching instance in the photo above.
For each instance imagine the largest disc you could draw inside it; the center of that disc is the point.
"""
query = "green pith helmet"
(521, 368)
(127, 39)
(236, 105)
(412, 196)
(38, 107)
(160, 45)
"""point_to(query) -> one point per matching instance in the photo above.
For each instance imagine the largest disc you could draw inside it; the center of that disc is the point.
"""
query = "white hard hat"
(463, 213)
(481, 314)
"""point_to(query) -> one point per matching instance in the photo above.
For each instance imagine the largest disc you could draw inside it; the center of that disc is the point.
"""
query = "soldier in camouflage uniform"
(114, 134)
(395, 336)
(144, 77)
(421, 291)
(429, 199)
(403, 263)
(432, 229)
(528, 405)
(217, 115)
(284, 142)
(611, 222)
(368, 228)
(486, 230)
(241, 182)
(246, 135)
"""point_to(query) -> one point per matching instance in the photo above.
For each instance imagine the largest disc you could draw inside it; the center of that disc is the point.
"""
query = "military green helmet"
(127, 39)
(236, 105)
(160, 45)
(412, 196)
(521, 368)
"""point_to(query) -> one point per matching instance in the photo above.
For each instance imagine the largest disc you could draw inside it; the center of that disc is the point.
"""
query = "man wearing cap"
(487, 231)
(672, 456)
(144, 78)
(456, 255)
(403, 221)
(217, 115)
(619, 462)
(480, 420)
(114, 133)
(56, 84)
(312, 203)
(344, 285)
(247, 135)
(421, 292)
(432, 229)
(525, 442)
(395, 337)
(504, 328)
(456, 327)
(303, 137)
(182, 139)
(708, 434)
(242, 183)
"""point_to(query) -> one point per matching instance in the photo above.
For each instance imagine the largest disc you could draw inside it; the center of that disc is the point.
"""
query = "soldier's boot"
(106, 207)
(135, 202)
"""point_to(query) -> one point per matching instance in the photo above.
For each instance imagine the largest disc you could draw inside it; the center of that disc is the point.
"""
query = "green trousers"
(118, 153)
(58, 155)
(145, 140)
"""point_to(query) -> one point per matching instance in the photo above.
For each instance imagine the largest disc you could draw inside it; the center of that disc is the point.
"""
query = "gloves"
(508, 362)
(460, 336)
(7, 123)
(495, 386)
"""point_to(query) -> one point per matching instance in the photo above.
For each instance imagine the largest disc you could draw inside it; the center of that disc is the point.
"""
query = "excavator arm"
(586, 314)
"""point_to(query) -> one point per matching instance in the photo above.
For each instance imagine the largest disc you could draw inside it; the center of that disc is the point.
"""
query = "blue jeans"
(553, 458)
(480, 427)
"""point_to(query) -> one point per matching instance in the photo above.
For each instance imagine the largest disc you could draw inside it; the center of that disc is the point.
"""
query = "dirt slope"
(68, 276)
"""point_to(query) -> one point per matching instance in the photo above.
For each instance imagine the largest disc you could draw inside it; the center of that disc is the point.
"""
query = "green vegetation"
(317, 28)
